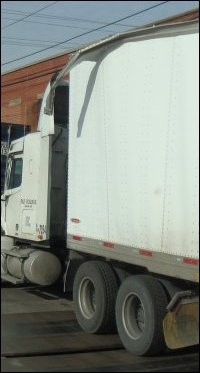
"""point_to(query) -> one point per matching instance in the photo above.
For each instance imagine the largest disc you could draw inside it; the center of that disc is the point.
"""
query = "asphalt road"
(40, 334)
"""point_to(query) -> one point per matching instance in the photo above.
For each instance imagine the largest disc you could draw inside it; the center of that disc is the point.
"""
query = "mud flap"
(181, 324)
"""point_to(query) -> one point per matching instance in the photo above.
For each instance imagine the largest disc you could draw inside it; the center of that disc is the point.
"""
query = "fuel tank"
(33, 265)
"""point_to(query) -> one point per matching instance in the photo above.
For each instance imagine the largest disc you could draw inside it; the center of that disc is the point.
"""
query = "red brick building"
(22, 90)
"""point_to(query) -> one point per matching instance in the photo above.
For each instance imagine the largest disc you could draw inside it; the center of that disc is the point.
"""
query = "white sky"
(63, 20)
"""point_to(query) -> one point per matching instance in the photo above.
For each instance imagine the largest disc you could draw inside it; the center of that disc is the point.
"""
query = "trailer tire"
(94, 295)
(140, 310)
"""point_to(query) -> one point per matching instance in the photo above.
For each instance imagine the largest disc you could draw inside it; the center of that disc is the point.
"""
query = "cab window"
(16, 173)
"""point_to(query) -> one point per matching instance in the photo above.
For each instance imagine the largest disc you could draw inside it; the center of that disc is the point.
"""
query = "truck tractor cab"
(34, 199)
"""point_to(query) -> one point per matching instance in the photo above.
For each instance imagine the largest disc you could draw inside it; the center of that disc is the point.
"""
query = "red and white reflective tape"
(145, 252)
(77, 238)
(191, 261)
(108, 245)
(142, 251)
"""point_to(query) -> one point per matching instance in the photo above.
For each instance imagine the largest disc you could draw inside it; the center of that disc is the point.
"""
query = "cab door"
(12, 194)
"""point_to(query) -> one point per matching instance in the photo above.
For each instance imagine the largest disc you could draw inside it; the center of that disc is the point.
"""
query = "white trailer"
(122, 228)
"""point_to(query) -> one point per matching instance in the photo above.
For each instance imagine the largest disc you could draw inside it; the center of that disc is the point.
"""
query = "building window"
(16, 173)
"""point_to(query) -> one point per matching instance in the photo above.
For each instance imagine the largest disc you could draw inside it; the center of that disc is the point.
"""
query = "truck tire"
(94, 294)
(140, 310)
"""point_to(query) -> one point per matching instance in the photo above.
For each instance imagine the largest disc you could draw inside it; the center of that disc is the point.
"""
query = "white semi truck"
(105, 194)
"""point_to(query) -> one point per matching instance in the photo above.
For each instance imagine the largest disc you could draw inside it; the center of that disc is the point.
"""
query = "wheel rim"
(133, 316)
(87, 302)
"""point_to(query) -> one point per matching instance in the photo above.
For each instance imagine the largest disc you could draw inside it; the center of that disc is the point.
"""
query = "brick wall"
(187, 16)
(22, 90)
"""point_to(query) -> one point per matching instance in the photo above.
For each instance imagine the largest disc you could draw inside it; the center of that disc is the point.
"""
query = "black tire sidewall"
(90, 271)
(153, 323)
